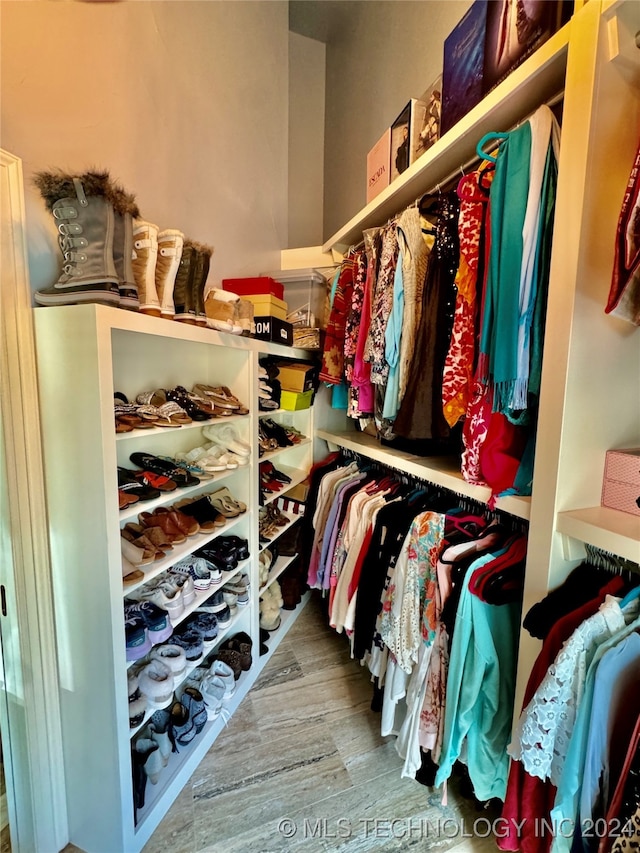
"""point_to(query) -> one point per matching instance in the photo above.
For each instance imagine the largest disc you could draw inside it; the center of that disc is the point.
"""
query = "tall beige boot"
(170, 242)
(145, 253)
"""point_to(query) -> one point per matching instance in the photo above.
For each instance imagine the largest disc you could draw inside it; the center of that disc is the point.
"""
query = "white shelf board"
(539, 78)
(281, 564)
(604, 528)
(441, 470)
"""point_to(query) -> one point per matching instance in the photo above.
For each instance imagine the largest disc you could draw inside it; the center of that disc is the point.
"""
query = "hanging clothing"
(420, 414)
(480, 690)
(332, 370)
(624, 293)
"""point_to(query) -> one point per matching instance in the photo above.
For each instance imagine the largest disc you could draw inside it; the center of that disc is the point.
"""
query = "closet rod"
(520, 523)
(461, 170)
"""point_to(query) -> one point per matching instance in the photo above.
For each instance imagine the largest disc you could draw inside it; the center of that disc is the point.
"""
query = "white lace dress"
(542, 734)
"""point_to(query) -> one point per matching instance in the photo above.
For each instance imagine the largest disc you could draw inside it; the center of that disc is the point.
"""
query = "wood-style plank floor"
(302, 767)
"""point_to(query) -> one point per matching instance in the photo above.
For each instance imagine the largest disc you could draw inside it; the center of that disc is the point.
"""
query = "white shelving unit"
(85, 354)
(590, 395)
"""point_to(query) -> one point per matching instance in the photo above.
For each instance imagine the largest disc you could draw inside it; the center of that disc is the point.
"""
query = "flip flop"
(149, 462)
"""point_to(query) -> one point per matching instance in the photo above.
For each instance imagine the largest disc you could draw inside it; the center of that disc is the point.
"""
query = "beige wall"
(306, 140)
(185, 103)
(383, 53)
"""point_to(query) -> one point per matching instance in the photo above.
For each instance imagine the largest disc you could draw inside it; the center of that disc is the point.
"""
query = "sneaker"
(156, 619)
(156, 682)
(224, 672)
(241, 643)
(195, 567)
(148, 754)
(138, 643)
(181, 727)
(213, 693)
(172, 656)
(184, 582)
(194, 703)
(166, 596)
(158, 730)
(238, 592)
(192, 643)
(213, 604)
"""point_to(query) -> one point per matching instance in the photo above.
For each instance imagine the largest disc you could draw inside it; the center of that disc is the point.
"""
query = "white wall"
(306, 140)
(383, 53)
(185, 103)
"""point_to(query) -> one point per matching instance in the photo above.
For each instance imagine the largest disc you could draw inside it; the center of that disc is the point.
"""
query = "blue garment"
(392, 338)
(480, 690)
(565, 807)
(616, 686)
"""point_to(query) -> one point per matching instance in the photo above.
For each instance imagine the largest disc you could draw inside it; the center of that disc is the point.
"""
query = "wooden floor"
(302, 767)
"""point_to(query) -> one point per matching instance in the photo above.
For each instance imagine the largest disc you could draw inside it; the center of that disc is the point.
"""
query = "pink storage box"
(621, 483)
(259, 284)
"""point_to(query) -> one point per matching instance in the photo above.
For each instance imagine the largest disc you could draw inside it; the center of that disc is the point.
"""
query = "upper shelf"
(440, 470)
(534, 82)
(131, 321)
(604, 528)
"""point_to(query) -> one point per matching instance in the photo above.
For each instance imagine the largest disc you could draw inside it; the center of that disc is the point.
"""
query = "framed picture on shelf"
(462, 66)
(404, 136)
(430, 130)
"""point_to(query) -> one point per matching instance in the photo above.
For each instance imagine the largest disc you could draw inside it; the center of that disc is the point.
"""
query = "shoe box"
(273, 329)
(297, 376)
(296, 400)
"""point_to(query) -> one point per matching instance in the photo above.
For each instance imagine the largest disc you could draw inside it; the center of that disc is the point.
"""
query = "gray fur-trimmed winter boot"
(183, 288)
(83, 208)
(170, 242)
(145, 253)
(125, 210)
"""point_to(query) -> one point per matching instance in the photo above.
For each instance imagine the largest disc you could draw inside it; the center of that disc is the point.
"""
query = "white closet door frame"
(31, 714)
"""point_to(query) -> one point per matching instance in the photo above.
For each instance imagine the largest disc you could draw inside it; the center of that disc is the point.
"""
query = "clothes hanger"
(489, 137)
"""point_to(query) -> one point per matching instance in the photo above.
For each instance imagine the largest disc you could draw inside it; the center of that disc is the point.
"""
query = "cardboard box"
(296, 376)
(265, 304)
(405, 137)
(295, 400)
(462, 66)
(621, 482)
(253, 286)
(379, 166)
(274, 329)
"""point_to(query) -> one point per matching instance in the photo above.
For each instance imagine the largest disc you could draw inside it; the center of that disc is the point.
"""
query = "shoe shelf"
(292, 518)
(192, 544)
(232, 626)
(204, 487)
(271, 453)
(147, 433)
(271, 413)
(440, 470)
(85, 354)
(282, 563)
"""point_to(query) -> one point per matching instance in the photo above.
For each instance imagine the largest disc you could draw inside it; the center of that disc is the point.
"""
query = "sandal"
(161, 417)
(129, 483)
(226, 504)
(177, 473)
(165, 523)
(156, 481)
(180, 396)
(218, 397)
(185, 523)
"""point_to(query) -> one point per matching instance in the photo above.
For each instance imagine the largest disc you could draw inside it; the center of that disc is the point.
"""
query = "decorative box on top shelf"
(621, 482)
(379, 166)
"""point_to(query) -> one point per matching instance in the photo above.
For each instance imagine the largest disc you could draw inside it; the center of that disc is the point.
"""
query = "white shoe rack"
(85, 354)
